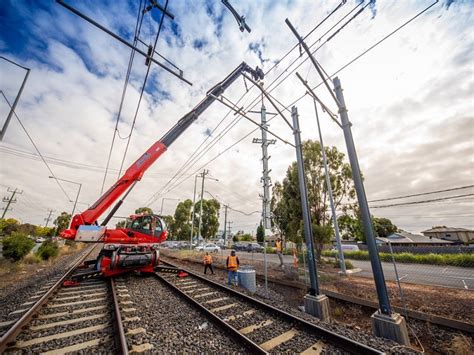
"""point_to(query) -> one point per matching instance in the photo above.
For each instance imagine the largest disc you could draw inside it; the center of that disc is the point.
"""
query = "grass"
(461, 260)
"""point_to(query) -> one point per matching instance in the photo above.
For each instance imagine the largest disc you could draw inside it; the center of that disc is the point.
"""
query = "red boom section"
(133, 173)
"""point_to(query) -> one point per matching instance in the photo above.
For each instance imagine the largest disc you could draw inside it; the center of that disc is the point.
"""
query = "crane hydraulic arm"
(135, 172)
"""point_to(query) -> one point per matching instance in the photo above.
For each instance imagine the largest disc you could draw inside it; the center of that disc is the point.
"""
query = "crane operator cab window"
(151, 225)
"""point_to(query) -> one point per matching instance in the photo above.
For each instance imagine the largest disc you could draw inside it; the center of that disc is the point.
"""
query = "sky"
(410, 101)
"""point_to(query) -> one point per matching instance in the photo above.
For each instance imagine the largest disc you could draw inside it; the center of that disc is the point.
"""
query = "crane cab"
(150, 225)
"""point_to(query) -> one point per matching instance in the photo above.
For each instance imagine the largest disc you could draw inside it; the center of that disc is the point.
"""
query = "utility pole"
(10, 200)
(192, 218)
(47, 219)
(203, 175)
(266, 213)
(225, 224)
(315, 303)
(229, 223)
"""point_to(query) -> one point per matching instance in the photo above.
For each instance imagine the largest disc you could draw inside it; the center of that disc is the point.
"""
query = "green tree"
(286, 200)
(169, 222)
(27, 228)
(47, 250)
(210, 217)
(44, 231)
(181, 226)
(16, 246)
(144, 210)
(383, 227)
(62, 222)
(260, 233)
(121, 224)
(9, 225)
(245, 237)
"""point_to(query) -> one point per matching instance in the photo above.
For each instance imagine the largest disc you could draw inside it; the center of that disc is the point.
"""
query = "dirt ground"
(446, 302)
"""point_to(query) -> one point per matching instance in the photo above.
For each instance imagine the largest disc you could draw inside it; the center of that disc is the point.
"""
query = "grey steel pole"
(331, 198)
(161, 209)
(75, 202)
(379, 278)
(225, 225)
(204, 172)
(308, 232)
(12, 110)
(192, 219)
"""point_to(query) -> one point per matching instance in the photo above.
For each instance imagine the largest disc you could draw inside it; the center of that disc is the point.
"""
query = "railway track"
(69, 319)
(262, 328)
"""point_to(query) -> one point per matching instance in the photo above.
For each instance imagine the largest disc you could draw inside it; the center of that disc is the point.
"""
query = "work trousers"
(232, 277)
(210, 268)
(280, 256)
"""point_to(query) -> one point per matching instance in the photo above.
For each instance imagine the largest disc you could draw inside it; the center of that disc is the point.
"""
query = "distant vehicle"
(347, 247)
(239, 246)
(254, 247)
(212, 248)
(40, 240)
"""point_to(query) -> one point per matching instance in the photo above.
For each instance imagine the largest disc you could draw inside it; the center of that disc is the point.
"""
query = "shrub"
(16, 246)
(348, 264)
(48, 249)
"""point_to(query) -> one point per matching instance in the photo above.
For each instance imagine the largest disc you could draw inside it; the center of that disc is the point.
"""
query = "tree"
(144, 210)
(210, 217)
(9, 225)
(286, 199)
(383, 227)
(169, 221)
(44, 231)
(16, 246)
(260, 233)
(181, 226)
(121, 224)
(62, 222)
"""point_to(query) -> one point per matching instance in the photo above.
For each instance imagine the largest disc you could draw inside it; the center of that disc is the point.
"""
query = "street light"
(163, 200)
(78, 192)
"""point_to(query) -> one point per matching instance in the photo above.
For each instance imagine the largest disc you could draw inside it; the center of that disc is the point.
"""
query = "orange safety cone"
(295, 259)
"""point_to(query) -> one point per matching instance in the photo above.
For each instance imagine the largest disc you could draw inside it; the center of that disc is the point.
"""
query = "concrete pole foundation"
(391, 327)
(317, 306)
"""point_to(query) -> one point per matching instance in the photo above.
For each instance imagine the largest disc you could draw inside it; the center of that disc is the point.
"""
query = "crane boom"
(135, 172)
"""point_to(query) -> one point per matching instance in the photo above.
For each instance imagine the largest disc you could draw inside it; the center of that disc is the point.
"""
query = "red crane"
(136, 246)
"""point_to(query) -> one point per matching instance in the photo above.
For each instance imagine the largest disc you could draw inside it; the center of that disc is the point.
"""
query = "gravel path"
(172, 325)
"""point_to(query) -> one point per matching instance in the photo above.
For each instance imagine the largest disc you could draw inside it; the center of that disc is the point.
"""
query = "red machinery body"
(136, 246)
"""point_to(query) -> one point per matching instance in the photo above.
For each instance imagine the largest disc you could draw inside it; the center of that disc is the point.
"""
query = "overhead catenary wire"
(36, 147)
(138, 26)
(143, 87)
(425, 201)
(233, 209)
(423, 193)
(197, 153)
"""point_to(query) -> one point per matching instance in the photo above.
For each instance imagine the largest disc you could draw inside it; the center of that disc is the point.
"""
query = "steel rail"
(421, 316)
(333, 338)
(119, 323)
(16, 328)
(249, 344)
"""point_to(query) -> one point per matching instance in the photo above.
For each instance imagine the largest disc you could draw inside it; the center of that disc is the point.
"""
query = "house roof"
(447, 229)
(409, 238)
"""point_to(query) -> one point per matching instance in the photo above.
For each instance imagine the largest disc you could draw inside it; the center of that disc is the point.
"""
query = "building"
(459, 235)
(403, 238)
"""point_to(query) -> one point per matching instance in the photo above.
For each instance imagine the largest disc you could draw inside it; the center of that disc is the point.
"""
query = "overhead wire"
(138, 26)
(36, 147)
(423, 193)
(143, 87)
(425, 201)
(334, 73)
(196, 155)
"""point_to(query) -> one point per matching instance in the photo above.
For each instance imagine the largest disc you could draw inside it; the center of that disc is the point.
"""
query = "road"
(450, 276)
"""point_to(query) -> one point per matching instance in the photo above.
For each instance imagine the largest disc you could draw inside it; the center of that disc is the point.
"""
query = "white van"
(347, 247)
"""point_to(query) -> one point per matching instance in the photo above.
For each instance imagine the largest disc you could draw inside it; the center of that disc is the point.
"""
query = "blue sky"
(401, 96)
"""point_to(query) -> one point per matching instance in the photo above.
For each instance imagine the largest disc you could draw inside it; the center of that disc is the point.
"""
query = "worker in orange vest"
(232, 266)
(279, 250)
(208, 263)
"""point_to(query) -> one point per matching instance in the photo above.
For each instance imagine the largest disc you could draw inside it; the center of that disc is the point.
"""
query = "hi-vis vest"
(278, 246)
(207, 259)
(232, 263)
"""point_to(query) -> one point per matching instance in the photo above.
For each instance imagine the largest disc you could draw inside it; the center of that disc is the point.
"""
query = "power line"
(37, 150)
(425, 201)
(423, 193)
(138, 26)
